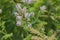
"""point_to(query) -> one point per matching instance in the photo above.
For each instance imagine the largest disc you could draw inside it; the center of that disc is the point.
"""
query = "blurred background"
(29, 19)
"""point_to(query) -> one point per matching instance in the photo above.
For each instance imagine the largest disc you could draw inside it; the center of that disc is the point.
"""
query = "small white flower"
(52, 17)
(43, 8)
(18, 23)
(16, 14)
(18, 6)
(32, 13)
(24, 9)
(30, 25)
(0, 11)
(18, 18)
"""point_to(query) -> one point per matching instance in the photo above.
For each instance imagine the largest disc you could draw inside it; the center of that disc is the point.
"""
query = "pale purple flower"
(18, 18)
(0, 11)
(29, 1)
(19, 23)
(27, 15)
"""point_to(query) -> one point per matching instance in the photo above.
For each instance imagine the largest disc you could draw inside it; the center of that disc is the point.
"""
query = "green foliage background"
(50, 20)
